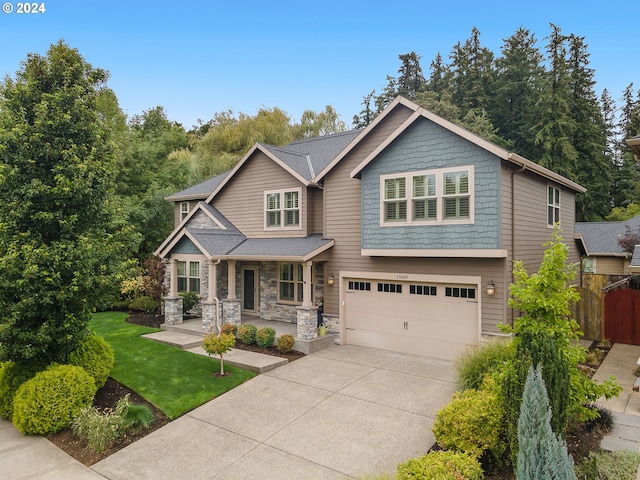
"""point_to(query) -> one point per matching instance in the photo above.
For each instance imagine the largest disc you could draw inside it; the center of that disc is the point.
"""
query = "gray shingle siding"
(424, 146)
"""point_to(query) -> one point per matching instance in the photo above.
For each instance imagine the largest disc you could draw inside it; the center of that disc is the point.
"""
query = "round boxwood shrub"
(145, 304)
(229, 328)
(247, 334)
(265, 337)
(50, 401)
(285, 343)
(12, 375)
(443, 465)
(96, 356)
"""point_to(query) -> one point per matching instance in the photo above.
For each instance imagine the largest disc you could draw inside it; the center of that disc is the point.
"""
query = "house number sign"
(402, 276)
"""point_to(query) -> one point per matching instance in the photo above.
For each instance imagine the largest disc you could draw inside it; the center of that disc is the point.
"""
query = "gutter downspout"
(513, 223)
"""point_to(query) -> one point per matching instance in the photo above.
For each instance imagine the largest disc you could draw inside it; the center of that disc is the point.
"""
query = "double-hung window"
(290, 282)
(435, 196)
(184, 210)
(282, 209)
(188, 276)
(553, 206)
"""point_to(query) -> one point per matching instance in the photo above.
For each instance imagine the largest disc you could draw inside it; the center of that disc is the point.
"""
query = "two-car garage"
(438, 319)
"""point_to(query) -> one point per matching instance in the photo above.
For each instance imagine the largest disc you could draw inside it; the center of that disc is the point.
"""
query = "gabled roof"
(302, 159)
(420, 112)
(635, 259)
(199, 191)
(601, 238)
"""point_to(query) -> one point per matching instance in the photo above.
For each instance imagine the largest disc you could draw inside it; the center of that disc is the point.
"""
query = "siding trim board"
(443, 253)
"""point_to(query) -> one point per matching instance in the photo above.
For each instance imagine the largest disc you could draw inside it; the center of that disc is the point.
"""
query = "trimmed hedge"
(441, 465)
(50, 401)
(285, 343)
(96, 356)
(265, 337)
(12, 375)
(247, 334)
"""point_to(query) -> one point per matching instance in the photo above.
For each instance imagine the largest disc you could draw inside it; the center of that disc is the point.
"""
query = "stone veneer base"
(315, 344)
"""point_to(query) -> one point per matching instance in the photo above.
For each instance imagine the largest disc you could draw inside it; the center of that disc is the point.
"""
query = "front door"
(250, 290)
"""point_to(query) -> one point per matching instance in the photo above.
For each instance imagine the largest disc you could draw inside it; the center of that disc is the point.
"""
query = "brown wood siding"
(343, 223)
(242, 199)
(315, 210)
(176, 210)
(611, 266)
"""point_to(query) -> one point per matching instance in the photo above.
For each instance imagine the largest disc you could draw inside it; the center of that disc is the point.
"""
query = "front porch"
(194, 327)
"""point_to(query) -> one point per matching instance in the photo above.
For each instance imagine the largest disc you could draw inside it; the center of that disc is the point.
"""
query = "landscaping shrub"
(265, 337)
(441, 465)
(471, 423)
(48, 402)
(476, 363)
(96, 356)
(102, 429)
(285, 343)
(189, 301)
(12, 375)
(219, 345)
(247, 334)
(602, 423)
(618, 465)
(229, 328)
(144, 304)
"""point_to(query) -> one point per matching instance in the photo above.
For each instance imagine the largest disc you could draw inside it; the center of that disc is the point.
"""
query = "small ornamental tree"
(219, 345)
(542, 454)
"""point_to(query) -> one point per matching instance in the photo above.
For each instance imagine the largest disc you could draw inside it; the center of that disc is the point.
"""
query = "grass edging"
(174, 380)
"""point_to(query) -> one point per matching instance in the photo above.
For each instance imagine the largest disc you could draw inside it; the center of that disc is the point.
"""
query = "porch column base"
(173, 310)
(209, 320)
(307, 320)
(231, 311)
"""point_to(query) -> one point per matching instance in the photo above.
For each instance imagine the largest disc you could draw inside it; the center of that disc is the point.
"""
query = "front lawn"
(173, 380)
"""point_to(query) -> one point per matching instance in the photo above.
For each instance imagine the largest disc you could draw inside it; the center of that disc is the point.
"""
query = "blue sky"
(196, 57)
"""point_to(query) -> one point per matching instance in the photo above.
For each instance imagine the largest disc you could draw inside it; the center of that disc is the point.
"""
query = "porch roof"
(233, 245)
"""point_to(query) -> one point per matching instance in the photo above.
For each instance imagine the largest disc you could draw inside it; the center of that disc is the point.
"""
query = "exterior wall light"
(491, 288)
(331, 280)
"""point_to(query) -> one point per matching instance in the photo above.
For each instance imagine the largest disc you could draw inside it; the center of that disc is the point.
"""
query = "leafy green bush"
(12, 375)
(96, 356)
(247, 334)
(189, 301)
(144, 304)
(48, 402)
(265, 337)
(618, 465)
(229, 328)
(471, 423)
(285, 343)
(476, 363)
(441, 465)
(102, 429)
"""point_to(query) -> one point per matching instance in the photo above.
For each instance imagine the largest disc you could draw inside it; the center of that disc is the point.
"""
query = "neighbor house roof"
(634, 265)
(199, 191)
(601, 238)
(634, 145)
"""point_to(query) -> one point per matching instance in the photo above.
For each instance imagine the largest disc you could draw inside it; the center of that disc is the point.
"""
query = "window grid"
(188, 280)
(291, 282)
(553, 206)
(366, 286)
(390, 287)
(460, 292)
(282, 209)
(184, 210)
(430, 290)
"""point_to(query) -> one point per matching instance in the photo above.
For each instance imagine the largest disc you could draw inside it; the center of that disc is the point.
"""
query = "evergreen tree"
(59, 257)
(519, 73)
(626, 188)
(367, 114)
(410, 79)
(438, 76)
(542, 455)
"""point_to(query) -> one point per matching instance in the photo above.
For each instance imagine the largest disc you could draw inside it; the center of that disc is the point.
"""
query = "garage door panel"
(431, 325)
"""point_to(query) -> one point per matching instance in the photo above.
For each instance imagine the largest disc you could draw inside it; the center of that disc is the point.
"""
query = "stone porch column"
(231, 312)
(307, 320)
(173, 303)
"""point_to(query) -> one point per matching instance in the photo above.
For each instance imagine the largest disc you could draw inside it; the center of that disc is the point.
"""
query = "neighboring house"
(405, 231)
(634, 145)
(598, 242)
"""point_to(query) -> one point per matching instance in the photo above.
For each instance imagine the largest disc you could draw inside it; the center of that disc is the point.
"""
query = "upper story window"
(184, 210)
(553, 206)
(282, 209)
(425, 197)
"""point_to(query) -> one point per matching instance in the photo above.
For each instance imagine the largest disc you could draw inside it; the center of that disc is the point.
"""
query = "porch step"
(189, 328)
(178, 339)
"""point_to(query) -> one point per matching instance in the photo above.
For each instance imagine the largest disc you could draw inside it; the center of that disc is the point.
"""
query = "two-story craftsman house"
(405, 231)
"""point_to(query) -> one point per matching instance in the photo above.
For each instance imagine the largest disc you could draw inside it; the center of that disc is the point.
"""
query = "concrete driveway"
(342, 412)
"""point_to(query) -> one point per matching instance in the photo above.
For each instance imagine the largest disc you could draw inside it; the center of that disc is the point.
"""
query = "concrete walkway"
(339, 413)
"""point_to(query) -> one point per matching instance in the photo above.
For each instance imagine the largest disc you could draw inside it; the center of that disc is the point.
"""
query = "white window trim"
(558, 207)
(184, 213)
(188, 260)
(439, 220)
(298, 283)
(282, 226)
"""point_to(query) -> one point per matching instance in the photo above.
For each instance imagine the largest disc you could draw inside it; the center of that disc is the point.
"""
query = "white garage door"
(431, 319)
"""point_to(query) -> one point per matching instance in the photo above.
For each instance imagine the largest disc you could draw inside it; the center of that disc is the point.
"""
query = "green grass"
(173, 380)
